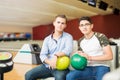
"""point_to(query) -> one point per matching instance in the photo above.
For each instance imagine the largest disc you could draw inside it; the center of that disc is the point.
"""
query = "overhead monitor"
(116, 11)
(103, 5)
(83, 1)
(92, 3)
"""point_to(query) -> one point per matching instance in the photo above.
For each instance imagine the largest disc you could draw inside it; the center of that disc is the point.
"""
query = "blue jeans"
(89, 73)
(41, 72)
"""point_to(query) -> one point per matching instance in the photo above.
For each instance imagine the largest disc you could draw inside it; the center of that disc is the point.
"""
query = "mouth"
(84, 30)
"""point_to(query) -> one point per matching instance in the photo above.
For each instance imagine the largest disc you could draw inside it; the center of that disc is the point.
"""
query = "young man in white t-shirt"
(95, 48)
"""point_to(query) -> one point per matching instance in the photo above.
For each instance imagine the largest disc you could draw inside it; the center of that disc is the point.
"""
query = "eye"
(86, 24)
(58, 22)
(62, 23)
(81, 25)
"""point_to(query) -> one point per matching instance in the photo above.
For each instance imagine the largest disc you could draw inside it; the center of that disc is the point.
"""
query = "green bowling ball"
(62, 63)
(78, 62)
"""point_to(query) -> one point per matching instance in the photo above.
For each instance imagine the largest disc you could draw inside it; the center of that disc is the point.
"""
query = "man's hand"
(84, 54)
(52, 62)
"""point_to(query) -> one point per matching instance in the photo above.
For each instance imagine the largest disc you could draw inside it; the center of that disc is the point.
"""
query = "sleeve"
(44, 51)
(79, 48)
(68, 45)
(104, 41)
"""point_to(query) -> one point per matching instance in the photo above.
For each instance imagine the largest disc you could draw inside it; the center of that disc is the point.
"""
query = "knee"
(28, 76)
(60, 77)
(67, 77)
(70, 77)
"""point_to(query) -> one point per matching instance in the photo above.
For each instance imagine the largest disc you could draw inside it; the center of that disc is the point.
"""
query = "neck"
(89, 35)
(56, 35)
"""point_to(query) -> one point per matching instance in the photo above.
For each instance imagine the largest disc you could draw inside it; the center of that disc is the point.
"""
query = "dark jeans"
(89, 73)
(41, 72)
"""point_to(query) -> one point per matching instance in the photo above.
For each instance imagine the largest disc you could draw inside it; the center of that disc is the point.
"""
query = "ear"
(65, 25)
(53, 23)
(92, 26)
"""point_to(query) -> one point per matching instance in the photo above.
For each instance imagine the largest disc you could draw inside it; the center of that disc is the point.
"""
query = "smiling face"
(59, 24)
(85, 27)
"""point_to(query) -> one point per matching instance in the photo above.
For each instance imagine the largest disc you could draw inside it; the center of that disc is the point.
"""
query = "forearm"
(108, 55)
(47, 61)
(99, 58)
(60, 54)
(103, 57)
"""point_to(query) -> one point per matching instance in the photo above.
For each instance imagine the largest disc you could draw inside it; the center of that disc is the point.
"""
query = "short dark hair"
(62, 16)
(85, 18)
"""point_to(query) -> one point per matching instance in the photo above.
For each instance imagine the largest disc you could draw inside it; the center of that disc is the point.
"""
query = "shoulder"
(102, 38)
(47, 37)
(65, 34)
(98, 34)
(80, 39)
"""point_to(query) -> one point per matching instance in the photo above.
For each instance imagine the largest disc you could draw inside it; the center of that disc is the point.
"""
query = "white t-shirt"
(92, 47)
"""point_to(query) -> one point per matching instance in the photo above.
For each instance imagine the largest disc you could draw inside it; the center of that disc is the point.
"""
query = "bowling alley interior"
(24, 24)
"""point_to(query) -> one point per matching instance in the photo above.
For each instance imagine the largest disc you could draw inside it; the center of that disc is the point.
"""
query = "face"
(59, 24)
(85, 27)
